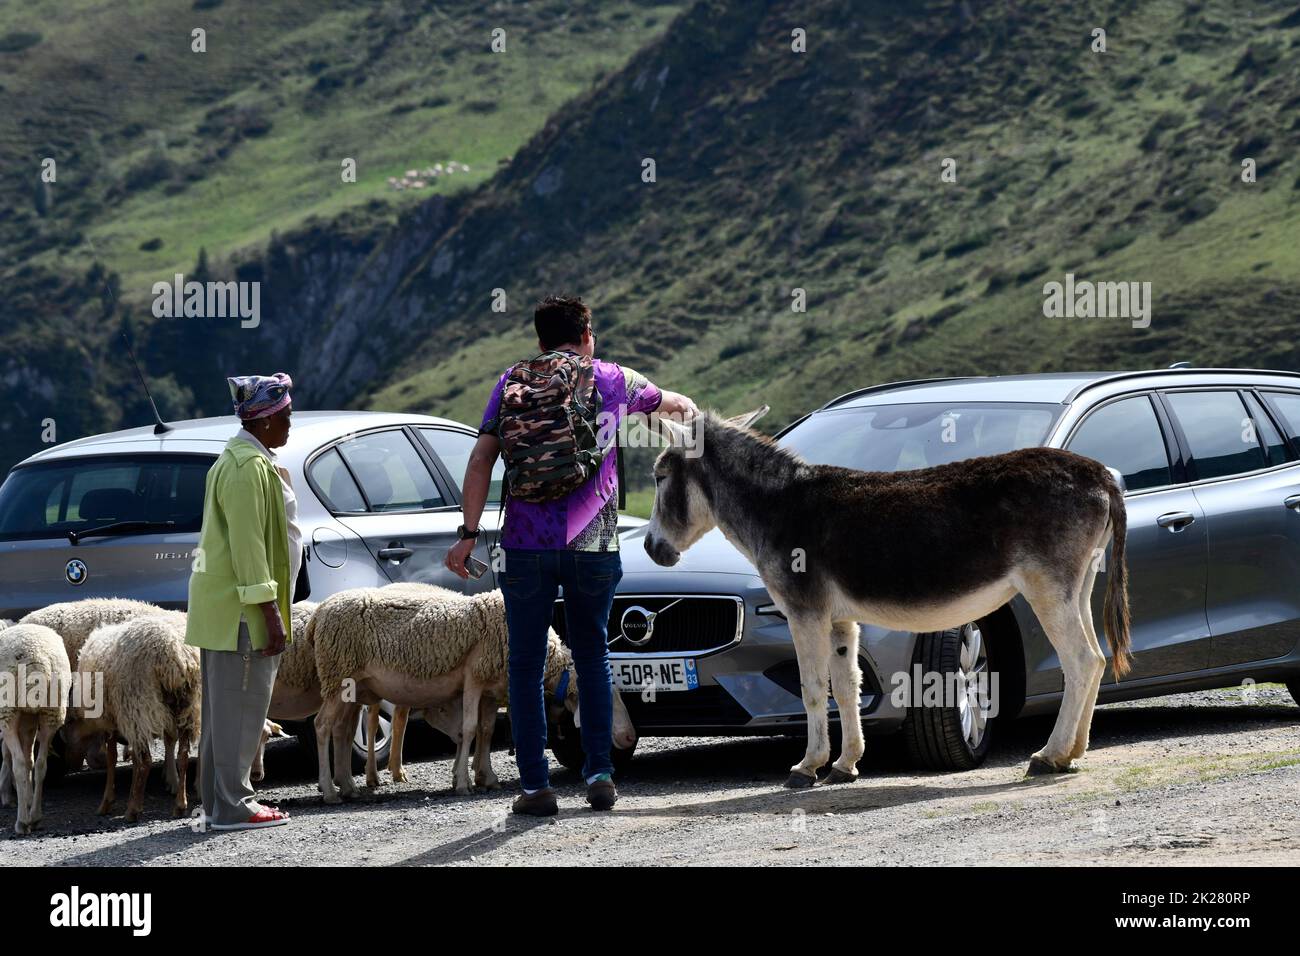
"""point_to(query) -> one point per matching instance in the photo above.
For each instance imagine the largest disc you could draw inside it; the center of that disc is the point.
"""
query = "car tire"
(950, 736)
(1294, 687)
(566, 744)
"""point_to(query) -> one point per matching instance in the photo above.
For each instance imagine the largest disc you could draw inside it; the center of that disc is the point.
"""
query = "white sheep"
(444, 717)
(418, 651)
(74, 621)
(152, 689)
(34, 680)
(447, 716)
(296, 693)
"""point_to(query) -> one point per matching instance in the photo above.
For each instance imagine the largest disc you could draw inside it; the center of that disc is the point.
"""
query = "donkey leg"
(1059, 614)
(811, 633)
(846, 686)
(1090, 697)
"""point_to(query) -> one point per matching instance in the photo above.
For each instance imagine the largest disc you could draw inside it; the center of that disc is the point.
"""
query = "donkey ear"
(675, 434)
(748, 419)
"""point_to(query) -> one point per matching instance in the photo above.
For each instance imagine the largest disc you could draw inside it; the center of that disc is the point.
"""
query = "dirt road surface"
(1206, 778)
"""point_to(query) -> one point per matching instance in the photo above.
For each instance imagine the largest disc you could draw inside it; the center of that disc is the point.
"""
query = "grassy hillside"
(821, 171)
(163, 152)
(776, 171)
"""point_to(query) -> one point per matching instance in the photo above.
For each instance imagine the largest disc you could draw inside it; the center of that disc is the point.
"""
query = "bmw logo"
(75, 572)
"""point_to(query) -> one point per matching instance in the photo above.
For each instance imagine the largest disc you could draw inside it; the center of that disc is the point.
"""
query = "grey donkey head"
(683, 506)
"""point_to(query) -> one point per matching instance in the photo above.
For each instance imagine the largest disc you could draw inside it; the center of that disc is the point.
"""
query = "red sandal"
(265, 817)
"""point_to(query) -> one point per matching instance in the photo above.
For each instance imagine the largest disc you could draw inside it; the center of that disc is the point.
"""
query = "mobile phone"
(475, 567)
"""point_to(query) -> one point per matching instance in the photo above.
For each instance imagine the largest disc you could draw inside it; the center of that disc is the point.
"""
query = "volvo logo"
(637, 625)
(75, 572)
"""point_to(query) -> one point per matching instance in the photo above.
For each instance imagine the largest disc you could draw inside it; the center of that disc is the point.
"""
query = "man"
(570, 541)
(250, 551)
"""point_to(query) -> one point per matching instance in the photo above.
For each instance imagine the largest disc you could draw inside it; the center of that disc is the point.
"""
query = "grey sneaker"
(602, 794)
(539, 804)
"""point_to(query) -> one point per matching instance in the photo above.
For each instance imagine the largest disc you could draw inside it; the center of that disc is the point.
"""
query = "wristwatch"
(465, 535)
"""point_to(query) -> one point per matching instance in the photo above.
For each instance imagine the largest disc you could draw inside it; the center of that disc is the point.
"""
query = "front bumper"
(751, 685)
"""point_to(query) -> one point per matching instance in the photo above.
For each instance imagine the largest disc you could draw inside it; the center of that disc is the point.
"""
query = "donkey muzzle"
(661, 552)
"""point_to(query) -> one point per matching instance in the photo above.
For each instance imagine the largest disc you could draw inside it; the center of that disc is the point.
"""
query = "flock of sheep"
(417, 646)
(420, 178)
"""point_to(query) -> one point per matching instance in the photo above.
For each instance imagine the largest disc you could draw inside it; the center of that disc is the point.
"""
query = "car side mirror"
(1119, 480)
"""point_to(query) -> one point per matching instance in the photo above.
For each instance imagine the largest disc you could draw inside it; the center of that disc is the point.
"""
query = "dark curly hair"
(561, 320)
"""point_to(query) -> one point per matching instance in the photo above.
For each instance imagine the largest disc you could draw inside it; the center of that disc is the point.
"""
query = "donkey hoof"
(1039, 767)
(840, 776)
(799, 780)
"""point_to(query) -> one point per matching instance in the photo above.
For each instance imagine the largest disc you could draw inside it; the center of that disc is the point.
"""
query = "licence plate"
(669, 673)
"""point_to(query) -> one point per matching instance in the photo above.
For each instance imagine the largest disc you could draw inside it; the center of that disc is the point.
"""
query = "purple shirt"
(586, 519)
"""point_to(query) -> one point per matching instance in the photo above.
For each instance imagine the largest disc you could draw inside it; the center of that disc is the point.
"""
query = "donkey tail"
(1115, 613)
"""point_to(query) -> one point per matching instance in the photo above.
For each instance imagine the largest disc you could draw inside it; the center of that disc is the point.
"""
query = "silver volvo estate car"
(1210, 462)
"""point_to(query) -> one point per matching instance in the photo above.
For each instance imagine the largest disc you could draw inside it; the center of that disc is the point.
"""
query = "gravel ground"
(1203, 778)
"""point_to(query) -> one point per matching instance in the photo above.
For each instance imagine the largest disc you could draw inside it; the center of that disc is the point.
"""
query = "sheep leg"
(110, 777)
(468, 731)
(258, 772)
(182, 806)
(46, 732)
(169, 762)
(372, 730)
(484, 776)
(345, 731)
(141, 762)
(395, 770)
(325, 719)
(20, 768)
(6, 773)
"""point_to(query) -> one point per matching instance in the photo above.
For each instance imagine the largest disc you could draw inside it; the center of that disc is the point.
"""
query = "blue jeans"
(531, 583)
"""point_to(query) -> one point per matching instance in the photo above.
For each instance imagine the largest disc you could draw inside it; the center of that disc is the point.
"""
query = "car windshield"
(904, 437)
(49, 499)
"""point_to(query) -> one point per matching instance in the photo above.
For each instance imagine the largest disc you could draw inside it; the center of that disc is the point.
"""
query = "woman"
(249, 555)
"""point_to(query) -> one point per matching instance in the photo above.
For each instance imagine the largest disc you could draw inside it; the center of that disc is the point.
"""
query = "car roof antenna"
(160, 427)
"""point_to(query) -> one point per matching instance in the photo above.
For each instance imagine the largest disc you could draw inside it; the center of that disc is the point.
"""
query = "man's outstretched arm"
(677, 404)
(474, 492)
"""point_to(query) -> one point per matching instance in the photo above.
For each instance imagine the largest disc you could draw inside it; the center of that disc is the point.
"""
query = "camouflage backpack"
(547, 426)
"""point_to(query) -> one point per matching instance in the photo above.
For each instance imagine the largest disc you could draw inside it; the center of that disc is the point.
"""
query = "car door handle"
(1293, 502)
(395, 554)
(1176, 520)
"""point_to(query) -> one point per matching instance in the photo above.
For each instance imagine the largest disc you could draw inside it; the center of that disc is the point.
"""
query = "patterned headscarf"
(257, 396)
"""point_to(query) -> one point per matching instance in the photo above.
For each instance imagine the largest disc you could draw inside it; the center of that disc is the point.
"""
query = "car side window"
(453, 448)
(334, 483)
(1274, 444)
(1219, 432)
(1125, 435)
(1288, 406)
(392, 474)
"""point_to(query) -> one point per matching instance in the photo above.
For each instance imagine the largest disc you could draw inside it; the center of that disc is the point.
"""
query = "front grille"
(682, 624)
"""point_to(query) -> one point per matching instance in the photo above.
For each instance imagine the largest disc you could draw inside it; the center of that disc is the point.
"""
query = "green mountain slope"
(163, 153)
(821, 171)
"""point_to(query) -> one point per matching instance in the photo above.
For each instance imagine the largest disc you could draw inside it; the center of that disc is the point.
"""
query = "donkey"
(917, 551)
